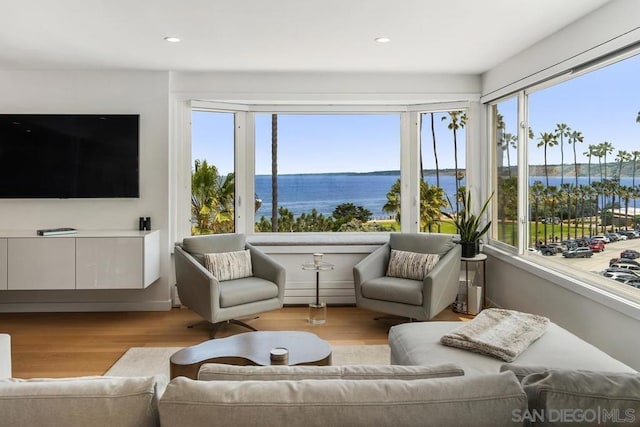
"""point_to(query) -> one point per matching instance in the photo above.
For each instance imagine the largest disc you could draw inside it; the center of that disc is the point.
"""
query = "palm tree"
(212, 199)
(574, 138)
(432, 201)
(622, 157)
(274, 173)
(604, 148)
(591, 152)
(435, 155)
(536, 195)
(562, 130)
(546, 140)
(636, 156)
(393, 201)
(458, 121)
(551, 199)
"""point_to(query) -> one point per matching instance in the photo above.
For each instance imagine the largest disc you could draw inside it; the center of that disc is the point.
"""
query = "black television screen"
(69, 155)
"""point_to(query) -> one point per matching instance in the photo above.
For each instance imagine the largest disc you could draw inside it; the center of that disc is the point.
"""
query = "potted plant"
(468, 225)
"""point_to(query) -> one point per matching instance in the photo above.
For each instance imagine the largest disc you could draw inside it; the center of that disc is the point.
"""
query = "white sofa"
(5, 356)
(307, 396)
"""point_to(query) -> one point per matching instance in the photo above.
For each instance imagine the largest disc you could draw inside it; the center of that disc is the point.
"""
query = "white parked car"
(602, 238)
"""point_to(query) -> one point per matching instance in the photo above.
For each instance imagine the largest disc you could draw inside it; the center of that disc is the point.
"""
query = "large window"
(327, 172)
(212, 173)
(504, 117)
(442, 168)
(582, 174)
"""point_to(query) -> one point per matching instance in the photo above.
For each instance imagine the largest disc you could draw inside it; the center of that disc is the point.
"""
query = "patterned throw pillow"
(411, 265)
(229, 265)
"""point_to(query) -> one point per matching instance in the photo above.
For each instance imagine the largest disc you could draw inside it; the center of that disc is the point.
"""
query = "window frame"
(585, 283)
(245, 152)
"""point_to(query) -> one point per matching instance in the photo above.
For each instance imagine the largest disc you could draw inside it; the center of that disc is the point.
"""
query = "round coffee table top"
(255, 348)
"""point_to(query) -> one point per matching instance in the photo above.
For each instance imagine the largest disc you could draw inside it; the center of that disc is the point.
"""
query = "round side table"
(317, 311)
(474, 275)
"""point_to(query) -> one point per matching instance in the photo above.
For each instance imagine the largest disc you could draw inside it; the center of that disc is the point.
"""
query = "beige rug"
(144, 361)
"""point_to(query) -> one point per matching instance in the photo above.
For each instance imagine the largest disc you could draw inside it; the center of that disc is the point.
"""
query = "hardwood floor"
(75, 344)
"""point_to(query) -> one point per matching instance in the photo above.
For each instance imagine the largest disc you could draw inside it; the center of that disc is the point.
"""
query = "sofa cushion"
(229, 265)
(82, 401)
(480, 401)
(558, 395)
(410, 265)
(419, 344)
(221, 372)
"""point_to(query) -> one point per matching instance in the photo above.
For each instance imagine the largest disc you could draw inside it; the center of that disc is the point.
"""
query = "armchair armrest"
(268, 268)
(372, 266)
(197, 287)
(442, 283)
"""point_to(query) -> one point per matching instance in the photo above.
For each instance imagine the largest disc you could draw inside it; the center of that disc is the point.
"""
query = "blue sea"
(303, 192)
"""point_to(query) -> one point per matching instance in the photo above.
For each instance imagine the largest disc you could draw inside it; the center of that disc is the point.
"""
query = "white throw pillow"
(411, 265)
(229, 265)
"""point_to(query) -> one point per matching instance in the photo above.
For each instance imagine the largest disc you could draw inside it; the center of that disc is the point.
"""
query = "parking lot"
(600, 260)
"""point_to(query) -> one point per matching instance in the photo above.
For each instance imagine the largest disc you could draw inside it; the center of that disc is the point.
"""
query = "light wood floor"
(75, 344)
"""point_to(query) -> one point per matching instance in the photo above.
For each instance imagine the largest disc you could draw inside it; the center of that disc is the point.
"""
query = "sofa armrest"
(5, 356)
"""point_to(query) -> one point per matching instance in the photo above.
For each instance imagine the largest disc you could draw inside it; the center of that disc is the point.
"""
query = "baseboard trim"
(52, 307)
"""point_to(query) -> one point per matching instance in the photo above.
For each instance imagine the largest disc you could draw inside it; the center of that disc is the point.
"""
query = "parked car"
(613, 237)
(605, 239)
(597, 246)
(626, 266)
(619, 275)
(547, 249)
(623, 261)
(630, 254)
(629, 233)
(578, 253)
(635, 282)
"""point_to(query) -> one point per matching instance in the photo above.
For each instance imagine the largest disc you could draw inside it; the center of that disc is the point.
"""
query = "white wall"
(144, 93)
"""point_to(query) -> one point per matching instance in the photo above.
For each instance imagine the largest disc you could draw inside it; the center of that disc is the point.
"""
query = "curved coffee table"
(251, 348)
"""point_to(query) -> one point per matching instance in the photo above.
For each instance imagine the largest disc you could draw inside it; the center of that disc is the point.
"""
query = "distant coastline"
(534, 170)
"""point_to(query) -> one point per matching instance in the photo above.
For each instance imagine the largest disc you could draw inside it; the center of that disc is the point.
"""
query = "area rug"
(144, 361)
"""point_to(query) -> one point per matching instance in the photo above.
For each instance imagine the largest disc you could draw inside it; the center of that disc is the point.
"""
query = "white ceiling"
(431, 36)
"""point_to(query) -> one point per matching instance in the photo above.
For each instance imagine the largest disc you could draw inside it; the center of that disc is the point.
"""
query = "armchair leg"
(395, 319)
(214, 327)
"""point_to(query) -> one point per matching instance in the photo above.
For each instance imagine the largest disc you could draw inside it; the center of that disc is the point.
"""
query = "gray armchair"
(220, 302)
(415, 299)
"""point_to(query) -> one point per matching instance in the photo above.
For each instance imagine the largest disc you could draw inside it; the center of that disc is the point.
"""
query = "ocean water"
(301, 193)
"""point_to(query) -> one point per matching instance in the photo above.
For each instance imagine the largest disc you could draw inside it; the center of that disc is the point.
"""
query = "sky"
(603, 105)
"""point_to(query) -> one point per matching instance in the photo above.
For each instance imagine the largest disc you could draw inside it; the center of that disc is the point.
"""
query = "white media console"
(88, 259)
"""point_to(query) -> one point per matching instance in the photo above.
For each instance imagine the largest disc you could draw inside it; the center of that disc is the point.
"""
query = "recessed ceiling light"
(172, 39)
(382, 39)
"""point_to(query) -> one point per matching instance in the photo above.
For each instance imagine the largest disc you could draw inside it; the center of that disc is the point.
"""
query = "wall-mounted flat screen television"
(69, 156)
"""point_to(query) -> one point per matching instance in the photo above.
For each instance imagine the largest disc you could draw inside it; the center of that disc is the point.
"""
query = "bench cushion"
(419, 344)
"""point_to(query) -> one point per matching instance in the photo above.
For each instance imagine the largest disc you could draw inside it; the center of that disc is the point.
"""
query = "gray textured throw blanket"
(497, 332)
